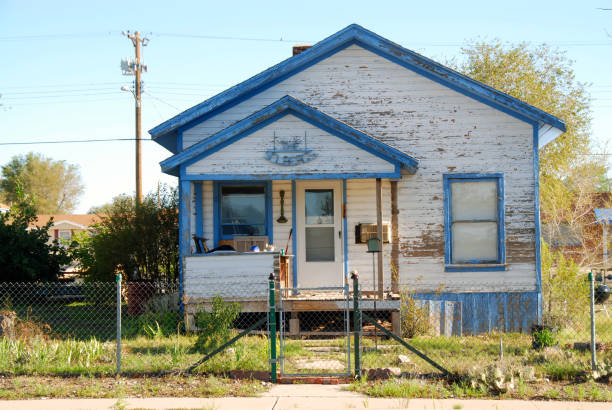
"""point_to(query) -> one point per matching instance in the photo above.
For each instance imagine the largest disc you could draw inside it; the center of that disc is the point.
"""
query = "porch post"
(379, 234)
(394, 239)
(184, 231)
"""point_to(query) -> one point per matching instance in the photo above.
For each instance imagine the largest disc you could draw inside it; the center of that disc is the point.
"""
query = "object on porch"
(246, 243)
(281, 219)
(201, 246)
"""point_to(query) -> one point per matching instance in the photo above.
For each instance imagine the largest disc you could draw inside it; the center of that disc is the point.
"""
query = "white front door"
(319, 233)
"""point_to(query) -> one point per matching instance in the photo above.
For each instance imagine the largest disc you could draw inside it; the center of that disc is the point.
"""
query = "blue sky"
(60, 77)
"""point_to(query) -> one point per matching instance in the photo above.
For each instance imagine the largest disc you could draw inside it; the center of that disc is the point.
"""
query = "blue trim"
(353, 34)
(294, 237)
(269, 177)
(275, 111)
(537, 234)
(345, 228)
(179, 141)
(483, 312)
(199, 212)
(448, 179)
(218, 235)
(184, 231)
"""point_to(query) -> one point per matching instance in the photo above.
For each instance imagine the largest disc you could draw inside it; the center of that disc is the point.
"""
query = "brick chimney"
(298, 48)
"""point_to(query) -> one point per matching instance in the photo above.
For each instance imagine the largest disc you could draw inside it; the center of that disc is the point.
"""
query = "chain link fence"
(493, 337)
(71, 328)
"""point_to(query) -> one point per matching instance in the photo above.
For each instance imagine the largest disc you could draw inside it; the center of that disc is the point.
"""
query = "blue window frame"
(242, 208)
(474, 235)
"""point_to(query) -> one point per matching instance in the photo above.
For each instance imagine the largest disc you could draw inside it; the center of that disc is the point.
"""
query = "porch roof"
(276, 110)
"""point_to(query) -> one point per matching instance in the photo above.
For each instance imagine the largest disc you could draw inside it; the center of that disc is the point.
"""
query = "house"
(4, 208)
(65, 226)
(353, 138)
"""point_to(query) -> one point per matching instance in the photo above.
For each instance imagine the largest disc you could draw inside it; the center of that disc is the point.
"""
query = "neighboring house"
(581, 238)
(66, 226)
(4, 208)
(353, 136)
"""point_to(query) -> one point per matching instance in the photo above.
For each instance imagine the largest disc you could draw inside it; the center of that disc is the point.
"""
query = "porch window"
(474, 221)
(242, 209)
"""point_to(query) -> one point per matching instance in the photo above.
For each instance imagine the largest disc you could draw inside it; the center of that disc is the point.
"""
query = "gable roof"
(81, 221)
(276, 110)
(549, 125)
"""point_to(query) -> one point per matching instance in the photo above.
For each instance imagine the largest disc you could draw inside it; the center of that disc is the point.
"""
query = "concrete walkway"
(298, 396)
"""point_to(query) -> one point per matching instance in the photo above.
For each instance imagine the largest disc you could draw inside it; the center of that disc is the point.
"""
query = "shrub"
(414, 316)
(214, 326)
(543, 337)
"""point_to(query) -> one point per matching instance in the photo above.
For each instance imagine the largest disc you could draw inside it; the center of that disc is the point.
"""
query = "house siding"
(447, 131)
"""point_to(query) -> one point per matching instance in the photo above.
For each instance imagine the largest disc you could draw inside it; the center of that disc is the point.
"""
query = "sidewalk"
(298, 396)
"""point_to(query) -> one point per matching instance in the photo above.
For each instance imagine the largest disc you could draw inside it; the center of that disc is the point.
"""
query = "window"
(243, 209)
(474, 221)
(64, 234)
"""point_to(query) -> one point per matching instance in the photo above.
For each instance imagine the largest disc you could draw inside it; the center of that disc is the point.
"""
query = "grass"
(407, 389)
(28, 387)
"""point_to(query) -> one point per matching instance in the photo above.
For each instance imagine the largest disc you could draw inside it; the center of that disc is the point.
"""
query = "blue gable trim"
(284, 106)
(353, 34)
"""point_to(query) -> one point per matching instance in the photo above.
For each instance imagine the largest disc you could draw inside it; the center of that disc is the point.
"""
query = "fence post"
(592, 299)
(118, 282)
(272, 330)
(356, 323)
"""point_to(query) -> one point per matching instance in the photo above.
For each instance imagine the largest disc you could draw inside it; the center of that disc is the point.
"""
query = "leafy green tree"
(138, 240)
(53, 186)
(27, 255)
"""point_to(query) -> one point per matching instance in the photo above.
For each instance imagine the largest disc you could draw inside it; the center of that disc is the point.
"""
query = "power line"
(70, 141)
(56, 36)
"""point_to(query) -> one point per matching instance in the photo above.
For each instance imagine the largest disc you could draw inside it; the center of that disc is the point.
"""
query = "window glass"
(474, 242)
(319, 206)
(243, 210)
(320, 244)
(474, 200)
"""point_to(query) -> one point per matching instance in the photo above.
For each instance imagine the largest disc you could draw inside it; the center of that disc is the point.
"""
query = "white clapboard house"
(353, 138)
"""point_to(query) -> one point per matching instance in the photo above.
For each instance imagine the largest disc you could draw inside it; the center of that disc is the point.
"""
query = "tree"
(138, 240)
(569, 174)
(26, 254)
(53, 186)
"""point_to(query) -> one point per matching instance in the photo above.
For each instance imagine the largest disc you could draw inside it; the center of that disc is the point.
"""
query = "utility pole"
(135, 67)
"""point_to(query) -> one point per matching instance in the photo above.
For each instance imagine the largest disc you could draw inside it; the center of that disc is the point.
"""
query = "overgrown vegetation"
(414, 316)
(26, 255)
(565, 290)
(214, 327)
(138, 240)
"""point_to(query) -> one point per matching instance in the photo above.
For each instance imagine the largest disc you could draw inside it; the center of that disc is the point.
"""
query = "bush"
(565, 291)
(214, 327)
(139, 240)
(414, 316)
(542, 336)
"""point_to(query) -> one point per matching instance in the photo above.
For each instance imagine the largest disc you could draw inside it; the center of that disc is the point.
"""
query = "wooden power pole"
(135, 67)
